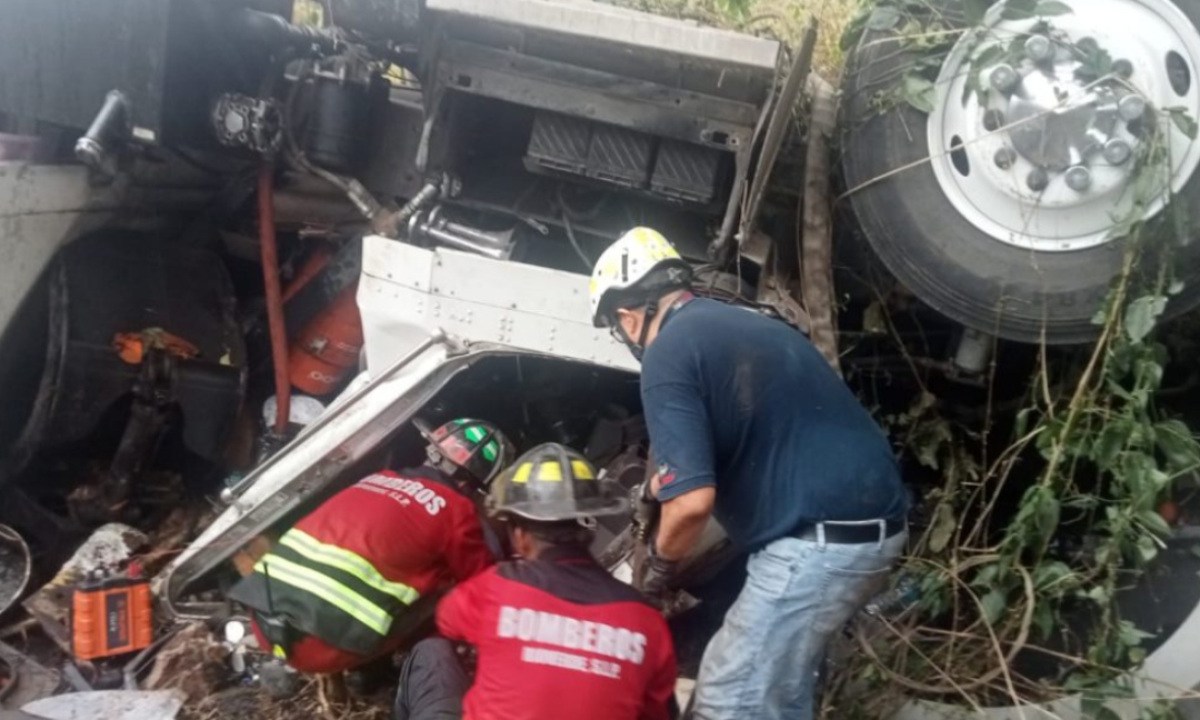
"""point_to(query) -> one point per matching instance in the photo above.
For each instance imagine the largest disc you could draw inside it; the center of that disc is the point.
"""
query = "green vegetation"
(781, 19)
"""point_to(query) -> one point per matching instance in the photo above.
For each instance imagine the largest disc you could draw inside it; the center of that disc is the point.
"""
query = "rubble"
(192, 663)
(28, 679)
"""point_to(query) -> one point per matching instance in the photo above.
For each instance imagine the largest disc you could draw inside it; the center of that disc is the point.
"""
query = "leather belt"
(850, 532)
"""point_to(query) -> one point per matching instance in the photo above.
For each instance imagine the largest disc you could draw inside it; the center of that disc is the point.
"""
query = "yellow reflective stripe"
(551, 471)
(348, 562)
(581, 470)
(522, 473)
(329, 590)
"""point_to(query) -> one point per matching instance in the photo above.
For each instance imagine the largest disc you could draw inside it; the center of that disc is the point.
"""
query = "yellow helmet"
(628, 262)
(553, 483)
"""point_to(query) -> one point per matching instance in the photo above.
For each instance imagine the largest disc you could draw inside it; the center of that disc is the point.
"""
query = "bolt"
(1039, 48)
(1079, 178)
(1131, 107)
(993, 120)
(1037, 180)
(1005, 157)
(1117, 151)
(1003, 78)
(1123, 68)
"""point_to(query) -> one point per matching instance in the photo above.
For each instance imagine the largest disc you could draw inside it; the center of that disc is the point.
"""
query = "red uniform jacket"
(413, 529)
(559, 638)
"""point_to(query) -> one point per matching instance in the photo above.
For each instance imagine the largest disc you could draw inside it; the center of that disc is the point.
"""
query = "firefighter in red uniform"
(556, 636)
(338, 588)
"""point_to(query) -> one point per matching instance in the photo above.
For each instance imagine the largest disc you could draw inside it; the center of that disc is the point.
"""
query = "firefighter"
(555, 635)
(348, 582)
(749, 424)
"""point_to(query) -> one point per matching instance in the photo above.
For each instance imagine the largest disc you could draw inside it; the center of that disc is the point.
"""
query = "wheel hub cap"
(1035, 147)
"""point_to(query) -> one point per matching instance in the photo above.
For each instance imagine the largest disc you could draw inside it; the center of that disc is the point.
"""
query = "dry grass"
(782, 19)
(244, 703)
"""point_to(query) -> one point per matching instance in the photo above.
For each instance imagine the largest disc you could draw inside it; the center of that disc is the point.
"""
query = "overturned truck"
(249, 242)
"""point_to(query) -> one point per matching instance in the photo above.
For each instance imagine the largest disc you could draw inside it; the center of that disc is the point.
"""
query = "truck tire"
(949, 199)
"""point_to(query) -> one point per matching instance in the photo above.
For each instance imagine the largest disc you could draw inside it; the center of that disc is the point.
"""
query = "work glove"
(658, 571)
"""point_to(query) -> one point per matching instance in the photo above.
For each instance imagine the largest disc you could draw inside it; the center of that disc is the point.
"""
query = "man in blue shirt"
(749, 424)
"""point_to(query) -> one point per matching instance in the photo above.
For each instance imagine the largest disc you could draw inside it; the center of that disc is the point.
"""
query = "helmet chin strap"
(638, 348)
(651, 312)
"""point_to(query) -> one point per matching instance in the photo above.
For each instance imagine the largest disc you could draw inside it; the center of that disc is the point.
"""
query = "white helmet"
(626, 263)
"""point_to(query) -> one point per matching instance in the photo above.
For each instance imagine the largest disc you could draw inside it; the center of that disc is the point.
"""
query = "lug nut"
(993, 120)
(1003, 78)
(1079, 178)
(1037, 180)
(1039, 48)
(1131, 107)
(1005, 157)
(1123, 68)
(1117, 152)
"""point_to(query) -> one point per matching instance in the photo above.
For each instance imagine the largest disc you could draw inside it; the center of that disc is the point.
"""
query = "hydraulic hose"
(275, 322)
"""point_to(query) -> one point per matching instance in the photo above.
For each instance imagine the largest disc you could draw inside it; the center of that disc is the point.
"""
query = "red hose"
(318, 261)
(270, 268)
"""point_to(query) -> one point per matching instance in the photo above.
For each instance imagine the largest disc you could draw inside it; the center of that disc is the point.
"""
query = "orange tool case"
(110, 617)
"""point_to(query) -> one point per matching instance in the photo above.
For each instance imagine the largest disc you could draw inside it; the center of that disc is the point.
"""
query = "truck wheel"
(1003, 207)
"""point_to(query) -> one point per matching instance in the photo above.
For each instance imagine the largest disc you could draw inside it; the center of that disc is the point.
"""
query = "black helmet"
(476, 446)
(552, 483)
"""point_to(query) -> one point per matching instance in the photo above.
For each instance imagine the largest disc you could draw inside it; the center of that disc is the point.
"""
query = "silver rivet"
(1003, 78)
(1037, 180)
(1123, 68)
(1005, 157)
(1117, 151)
(1039, 48)
(1131, 107)
(1079, 178)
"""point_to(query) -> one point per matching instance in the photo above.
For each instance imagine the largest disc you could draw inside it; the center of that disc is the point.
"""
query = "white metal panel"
(409, 299)
(406, 293)
(620, 25)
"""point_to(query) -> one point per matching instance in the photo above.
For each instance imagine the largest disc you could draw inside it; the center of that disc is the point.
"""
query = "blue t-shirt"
(740, 401)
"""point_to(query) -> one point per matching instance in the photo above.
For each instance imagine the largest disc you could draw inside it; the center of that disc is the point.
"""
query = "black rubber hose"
(277, 33)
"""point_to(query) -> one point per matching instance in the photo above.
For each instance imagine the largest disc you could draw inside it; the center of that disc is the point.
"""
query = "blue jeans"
(762, 663)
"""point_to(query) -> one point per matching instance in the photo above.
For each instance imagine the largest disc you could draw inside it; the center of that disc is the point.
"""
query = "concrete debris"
(193, 663)
(29, 679)
(108, 705)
